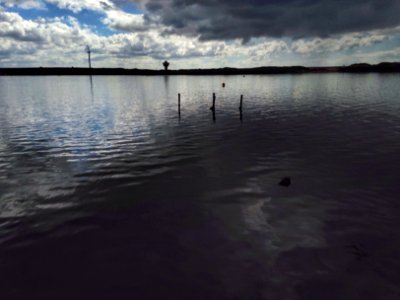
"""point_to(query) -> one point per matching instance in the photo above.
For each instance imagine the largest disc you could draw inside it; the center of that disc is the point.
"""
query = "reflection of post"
(241, 108)
(213, 104)
(166, 82)
(212, 108)
(91, 87)
(179, 106)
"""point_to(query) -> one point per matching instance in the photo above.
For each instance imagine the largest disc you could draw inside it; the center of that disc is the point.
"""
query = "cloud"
(114, 17)
(56, 32)
(72, 5)
(159, 47)
(63, 40)
(339, 43)
(79, 5)
(16, 28)
(120, 20)
(379, 56)
(238, 19)
(24, 4)
(58, 36)
(268, 51)
(141, 41)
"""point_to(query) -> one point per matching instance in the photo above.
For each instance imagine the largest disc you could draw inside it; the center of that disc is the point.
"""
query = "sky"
(198, 33)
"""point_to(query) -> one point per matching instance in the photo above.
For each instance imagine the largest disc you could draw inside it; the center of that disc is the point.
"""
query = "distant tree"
(166, 65)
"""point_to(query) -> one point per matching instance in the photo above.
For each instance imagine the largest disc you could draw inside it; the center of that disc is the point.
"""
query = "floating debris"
(285, 181)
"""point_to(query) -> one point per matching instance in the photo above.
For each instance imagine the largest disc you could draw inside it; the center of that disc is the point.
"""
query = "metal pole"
(90, 61)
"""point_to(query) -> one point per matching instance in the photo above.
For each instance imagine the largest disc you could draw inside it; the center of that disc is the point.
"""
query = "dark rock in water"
(285, 181)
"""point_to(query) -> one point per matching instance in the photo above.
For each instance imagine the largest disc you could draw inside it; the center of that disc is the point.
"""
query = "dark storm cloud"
(230, 19)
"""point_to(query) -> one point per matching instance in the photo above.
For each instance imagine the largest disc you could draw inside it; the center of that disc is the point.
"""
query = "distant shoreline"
(386, 67)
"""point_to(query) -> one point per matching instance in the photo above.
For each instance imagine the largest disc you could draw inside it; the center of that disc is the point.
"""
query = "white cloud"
(24, 4)
(43, 39)
(62, 40)
(79, 5)
(264, 50)
(120, 20)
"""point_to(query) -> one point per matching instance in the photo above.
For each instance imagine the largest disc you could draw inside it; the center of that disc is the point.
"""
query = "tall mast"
(89, 58)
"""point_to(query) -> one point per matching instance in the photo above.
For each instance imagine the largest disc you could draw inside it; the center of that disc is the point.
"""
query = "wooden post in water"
(212, 108)
(213, 104)
(241, 108)
(179, 105)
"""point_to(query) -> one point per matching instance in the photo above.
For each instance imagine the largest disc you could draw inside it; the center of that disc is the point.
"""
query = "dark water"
(106, 194)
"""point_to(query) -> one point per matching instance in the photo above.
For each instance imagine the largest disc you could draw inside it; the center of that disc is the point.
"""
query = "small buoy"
(285, 181)
(223, 85)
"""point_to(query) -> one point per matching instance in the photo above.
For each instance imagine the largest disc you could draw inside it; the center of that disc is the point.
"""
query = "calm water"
(106, 194)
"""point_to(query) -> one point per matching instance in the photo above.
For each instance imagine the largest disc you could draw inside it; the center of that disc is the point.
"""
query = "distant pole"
(90, 60)
(89, 52)
(179, 105)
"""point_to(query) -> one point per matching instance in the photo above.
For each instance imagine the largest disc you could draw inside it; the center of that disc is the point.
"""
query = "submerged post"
(179, 105)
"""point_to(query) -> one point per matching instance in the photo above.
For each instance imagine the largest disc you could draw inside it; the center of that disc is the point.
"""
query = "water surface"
(105, 193)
